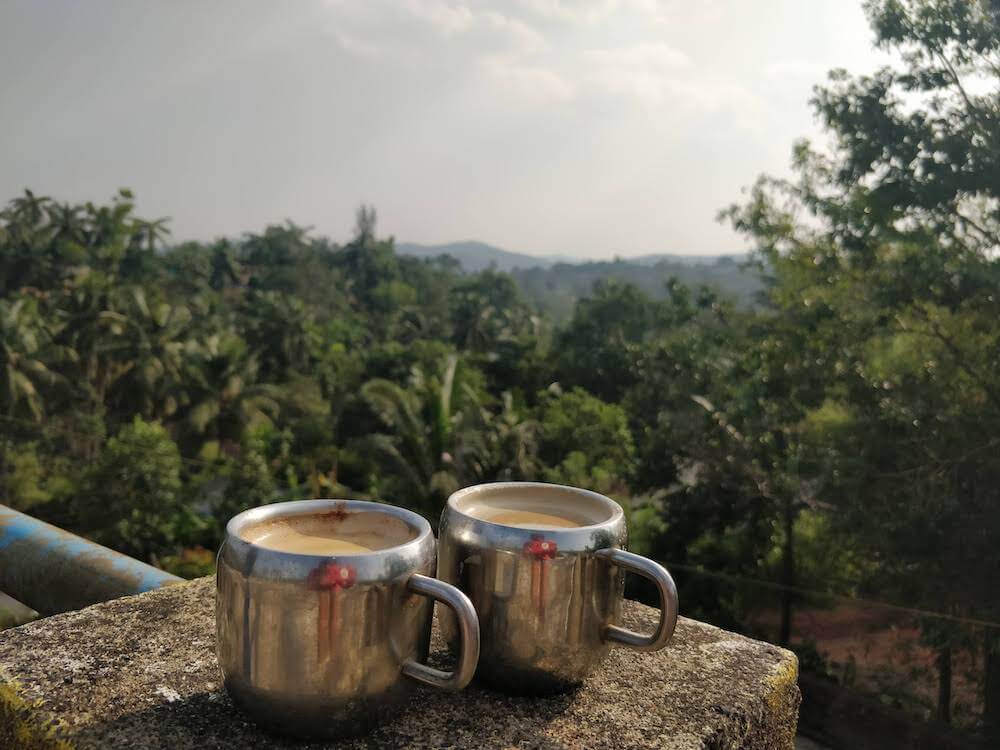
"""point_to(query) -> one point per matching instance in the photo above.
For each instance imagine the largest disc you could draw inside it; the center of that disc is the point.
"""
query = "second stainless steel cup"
(547, 598)
(329, 646)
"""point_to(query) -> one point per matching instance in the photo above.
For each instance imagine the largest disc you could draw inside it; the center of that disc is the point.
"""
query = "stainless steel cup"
(547, 598)
(316, 646)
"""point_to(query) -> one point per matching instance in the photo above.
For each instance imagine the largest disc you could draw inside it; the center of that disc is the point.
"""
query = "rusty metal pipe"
(53, 571)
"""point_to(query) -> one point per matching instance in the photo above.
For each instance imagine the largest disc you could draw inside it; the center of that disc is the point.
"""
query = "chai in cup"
(544, 567)
(323, 615)
(330, 533)
(533, 513)
(540, 507)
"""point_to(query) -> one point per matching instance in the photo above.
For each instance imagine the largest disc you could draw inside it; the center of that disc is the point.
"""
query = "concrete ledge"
(140, 672)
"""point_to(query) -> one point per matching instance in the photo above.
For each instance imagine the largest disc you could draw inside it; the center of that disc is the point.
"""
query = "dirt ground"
(880, 652)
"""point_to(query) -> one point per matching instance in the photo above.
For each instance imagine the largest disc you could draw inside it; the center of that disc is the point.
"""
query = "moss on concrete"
(20, 726)
(141, 672)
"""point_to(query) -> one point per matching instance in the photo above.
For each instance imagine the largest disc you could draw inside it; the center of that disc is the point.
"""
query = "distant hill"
(474, 256)
(556, 288)
(478, 256)
(553, 283)
(693, 260)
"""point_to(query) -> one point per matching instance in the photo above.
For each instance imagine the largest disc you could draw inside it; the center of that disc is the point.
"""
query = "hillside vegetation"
(473, 256)
(556, 288)
(553, 284)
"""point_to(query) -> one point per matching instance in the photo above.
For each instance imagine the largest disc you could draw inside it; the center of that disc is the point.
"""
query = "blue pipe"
(53, 571)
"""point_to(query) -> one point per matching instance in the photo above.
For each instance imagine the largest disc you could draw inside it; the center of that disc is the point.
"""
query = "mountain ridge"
(475, 256)
(554, 283)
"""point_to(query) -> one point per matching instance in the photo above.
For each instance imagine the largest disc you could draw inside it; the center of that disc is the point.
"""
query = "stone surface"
(140, 672)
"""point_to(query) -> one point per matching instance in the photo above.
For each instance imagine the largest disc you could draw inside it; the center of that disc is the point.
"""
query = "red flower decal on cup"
(541, 548)
(328, 576)
(329, 579)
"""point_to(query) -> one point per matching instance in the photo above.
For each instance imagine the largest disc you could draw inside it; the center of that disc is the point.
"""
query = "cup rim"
(262, 513)
(617, 512)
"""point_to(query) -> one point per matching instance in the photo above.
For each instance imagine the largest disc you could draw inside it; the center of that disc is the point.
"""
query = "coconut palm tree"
(151, 351)
(24, 372)
(281, 332)
(487, 310)
(500, 446)
(222, 395)
(416, 455)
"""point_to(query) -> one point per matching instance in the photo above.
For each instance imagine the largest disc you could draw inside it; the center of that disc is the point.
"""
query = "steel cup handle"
(668, 601)
(468, 628)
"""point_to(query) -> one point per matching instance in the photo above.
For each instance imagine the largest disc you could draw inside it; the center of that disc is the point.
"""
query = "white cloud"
(666, 11)
(652, 73)
(571, 11)
(503, 47)
(535, 84)
(355, 46)
(797, 69)
(412, 29)
(519, 55)
(639, 57)
(446, 17)
(652, 89)
(524, 38)
(591, 12)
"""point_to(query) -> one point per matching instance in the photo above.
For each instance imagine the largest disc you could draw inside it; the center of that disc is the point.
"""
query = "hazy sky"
(587, 128)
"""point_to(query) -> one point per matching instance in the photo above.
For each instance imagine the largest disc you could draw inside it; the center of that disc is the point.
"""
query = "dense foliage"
(554, 289)
(838, 436)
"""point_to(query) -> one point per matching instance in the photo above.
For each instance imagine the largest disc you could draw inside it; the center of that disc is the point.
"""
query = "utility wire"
(730, 578)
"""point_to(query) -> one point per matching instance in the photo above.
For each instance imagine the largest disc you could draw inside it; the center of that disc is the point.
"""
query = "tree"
(225, 270)
(719, 407)
(599, 347)
(149, 350)
(281, 332)
(25, 375)
(364, 224)
(26, 242)
(499, 446)
(250, 481)
(270, 257)
(486, 310)
(585, 441)
(891, 235)
(417, 457)
(132, 496)
(372, 273)
(222, 394)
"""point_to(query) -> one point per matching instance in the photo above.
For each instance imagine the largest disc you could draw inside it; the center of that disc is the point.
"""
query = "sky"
(591, 128)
